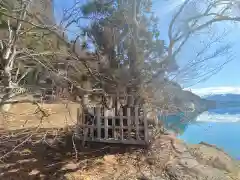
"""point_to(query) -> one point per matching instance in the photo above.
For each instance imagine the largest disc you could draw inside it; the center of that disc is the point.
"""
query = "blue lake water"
(220, 127)
(224, 135)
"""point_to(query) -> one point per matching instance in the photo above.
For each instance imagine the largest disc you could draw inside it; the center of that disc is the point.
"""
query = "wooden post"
(129, 122)
(105, 125)
(114, 136)
(92, 129)
(145, 125)
(137, 123)
(98, 111)
(121, 123)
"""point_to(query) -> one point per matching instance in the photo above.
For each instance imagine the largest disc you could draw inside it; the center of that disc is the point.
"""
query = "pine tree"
(127, 34)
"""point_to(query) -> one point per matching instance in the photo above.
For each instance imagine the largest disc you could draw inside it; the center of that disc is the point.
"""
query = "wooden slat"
(133, 125)
(121, 123)
(93, 125)
(118, 117)
(92, 132)
(110, 117)
(118, 105)
(85, 132)
(105, 126)
(129, 122)
(135, 142)
(98, 111)
(137, 123)
(113, 128)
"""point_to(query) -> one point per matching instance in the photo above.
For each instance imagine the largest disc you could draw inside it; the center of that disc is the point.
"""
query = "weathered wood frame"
(131, 128)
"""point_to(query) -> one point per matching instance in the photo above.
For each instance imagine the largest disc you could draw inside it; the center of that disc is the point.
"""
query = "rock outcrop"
(172, 94)
(203, 162)
(166, 159)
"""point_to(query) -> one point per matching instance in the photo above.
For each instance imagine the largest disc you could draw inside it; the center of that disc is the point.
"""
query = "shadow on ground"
(41, 161)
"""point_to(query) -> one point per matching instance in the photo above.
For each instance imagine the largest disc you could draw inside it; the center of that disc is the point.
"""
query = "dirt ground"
(31, 148)
(28, 116)
(58, 161)
(49, 152)
(23, 121)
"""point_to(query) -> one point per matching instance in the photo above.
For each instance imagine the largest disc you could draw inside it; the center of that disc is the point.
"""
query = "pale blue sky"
(228, 76)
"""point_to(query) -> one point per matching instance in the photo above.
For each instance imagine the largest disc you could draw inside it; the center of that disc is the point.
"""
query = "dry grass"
(40, 161)
(48, 159)
(26, 116)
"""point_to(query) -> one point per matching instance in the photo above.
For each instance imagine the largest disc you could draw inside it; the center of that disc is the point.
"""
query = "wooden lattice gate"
(129, 127)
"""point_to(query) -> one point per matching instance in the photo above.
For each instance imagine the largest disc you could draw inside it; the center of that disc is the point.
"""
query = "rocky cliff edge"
(166, 159)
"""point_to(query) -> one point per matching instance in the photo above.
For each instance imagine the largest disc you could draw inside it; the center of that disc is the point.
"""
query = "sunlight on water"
(224, 135)
(220, 127)
(221, 118)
